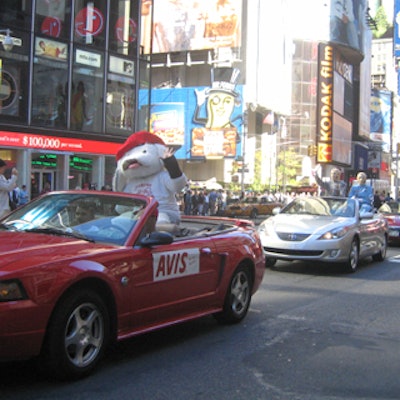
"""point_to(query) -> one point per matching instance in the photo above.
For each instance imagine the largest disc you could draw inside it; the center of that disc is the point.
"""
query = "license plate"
(394, 233)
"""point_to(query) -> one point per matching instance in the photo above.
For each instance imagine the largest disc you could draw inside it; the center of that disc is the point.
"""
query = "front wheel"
(77, 335)
(381, 255)
(354, 255)
(270, 262)
(238, 297)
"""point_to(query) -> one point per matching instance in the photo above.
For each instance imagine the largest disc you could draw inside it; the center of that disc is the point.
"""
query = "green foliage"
(289, 166)
(382, 23)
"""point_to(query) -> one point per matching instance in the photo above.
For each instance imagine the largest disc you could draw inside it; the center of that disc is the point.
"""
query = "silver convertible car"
(324, 229)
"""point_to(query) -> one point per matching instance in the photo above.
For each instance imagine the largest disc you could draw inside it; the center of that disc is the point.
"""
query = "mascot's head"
(139, 157)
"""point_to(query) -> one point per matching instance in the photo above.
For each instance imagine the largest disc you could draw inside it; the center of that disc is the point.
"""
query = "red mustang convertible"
(81, 269)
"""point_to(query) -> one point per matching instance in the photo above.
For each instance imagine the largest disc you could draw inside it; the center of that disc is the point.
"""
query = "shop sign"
(52, 143)
(325, 103)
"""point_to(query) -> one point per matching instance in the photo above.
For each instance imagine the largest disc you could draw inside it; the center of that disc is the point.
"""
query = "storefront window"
(53, 18)
(120, 96)
(90, 22)
(87, 92)
(49, 87)
(16, 14)
(13, 90)
(124, 27)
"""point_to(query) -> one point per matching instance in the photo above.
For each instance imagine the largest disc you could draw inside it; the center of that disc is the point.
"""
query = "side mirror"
(155, 238)
(276, 210)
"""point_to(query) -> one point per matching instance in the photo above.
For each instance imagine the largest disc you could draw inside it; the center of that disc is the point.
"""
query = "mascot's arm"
(174, 171)
(119, 181)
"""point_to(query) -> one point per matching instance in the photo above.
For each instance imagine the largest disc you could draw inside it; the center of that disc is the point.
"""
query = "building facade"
(70, 75)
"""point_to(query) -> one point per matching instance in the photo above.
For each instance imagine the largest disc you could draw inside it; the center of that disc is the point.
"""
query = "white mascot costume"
(146, 166)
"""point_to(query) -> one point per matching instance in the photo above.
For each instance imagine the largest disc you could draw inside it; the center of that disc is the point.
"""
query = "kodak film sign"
(325, 103)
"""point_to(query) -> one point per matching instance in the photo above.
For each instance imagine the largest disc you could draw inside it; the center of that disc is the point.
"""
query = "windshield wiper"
(60, 232)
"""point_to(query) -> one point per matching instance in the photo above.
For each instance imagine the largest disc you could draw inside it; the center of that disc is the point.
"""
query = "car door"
(172, 281)
(371, 232)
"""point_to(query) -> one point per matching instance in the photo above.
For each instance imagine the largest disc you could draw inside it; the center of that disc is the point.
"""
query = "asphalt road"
(312, 332)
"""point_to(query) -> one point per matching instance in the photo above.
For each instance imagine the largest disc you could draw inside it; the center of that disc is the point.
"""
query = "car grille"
(293, 253)
(292, 237)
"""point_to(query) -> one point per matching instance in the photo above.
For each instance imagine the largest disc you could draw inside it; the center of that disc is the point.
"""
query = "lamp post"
(6, 40)
(245, 124)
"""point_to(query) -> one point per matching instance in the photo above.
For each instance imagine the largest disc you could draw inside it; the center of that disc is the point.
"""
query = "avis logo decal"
(173, 264)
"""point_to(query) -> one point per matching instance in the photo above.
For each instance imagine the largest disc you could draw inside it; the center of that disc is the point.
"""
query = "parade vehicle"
(324, 229)
(80, 270)
(391, 212)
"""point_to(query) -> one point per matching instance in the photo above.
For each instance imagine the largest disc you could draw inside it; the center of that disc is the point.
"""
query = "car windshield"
(93, 217)
(337, 207)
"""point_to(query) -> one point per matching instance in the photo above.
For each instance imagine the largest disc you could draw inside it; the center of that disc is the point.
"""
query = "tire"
(381, 255)
(270, 262)
(253, 214)
(77, 335)
(237, 298)
(354, 257)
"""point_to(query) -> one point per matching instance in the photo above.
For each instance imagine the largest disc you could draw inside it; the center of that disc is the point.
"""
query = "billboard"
(196, 25)
(185, 119)
(381, 117)
(348, 22)
(335, 107)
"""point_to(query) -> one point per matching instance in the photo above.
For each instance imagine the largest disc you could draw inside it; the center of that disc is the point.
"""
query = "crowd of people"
(213, 202)
(204, 201)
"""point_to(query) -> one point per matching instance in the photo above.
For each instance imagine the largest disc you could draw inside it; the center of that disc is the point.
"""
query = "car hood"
(27, 249)
(310, 224)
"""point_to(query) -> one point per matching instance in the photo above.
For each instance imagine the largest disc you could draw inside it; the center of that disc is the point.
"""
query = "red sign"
(51, 26)
(120, 27)
(52, 143)
(89, 21)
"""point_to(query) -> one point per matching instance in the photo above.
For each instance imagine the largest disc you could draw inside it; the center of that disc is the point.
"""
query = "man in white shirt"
(6, 186)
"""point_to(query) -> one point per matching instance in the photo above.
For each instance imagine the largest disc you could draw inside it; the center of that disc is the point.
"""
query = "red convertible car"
(81, 269)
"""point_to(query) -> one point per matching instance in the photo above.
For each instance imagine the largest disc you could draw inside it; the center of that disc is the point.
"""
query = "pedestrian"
(6, 186)
(23, 196)
(187, 201)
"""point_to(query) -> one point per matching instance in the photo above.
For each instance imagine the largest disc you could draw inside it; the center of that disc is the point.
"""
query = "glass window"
(49, 86)
(90, 22)
(120, 96)
(53, 18)
(16, 14)
(123, 27)
(13, 90)
(87, 92)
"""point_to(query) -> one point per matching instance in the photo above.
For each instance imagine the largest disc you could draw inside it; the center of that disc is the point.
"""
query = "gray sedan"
(325, 229)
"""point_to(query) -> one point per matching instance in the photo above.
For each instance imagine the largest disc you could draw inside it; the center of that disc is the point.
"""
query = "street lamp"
(7, 40)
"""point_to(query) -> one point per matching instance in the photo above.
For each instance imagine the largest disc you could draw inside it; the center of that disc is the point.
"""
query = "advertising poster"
(381, 117)
(196, 25)
(171, 106)
(167, 120)
(348, 22)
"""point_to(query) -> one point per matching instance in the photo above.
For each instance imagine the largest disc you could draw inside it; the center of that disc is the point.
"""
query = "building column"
(62, 172)
(98, 171)
(24, 169)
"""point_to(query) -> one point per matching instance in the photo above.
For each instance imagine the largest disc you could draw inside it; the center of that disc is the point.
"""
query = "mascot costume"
(146, 166)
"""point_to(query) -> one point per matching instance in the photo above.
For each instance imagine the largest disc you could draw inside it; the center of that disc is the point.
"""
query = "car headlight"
(262, 229)
(11, 290)
(336, 233)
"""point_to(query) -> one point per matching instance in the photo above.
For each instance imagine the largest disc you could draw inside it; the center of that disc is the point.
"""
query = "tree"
(382, 24)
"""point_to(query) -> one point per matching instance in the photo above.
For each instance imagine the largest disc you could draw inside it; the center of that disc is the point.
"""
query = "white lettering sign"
(174, 264)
